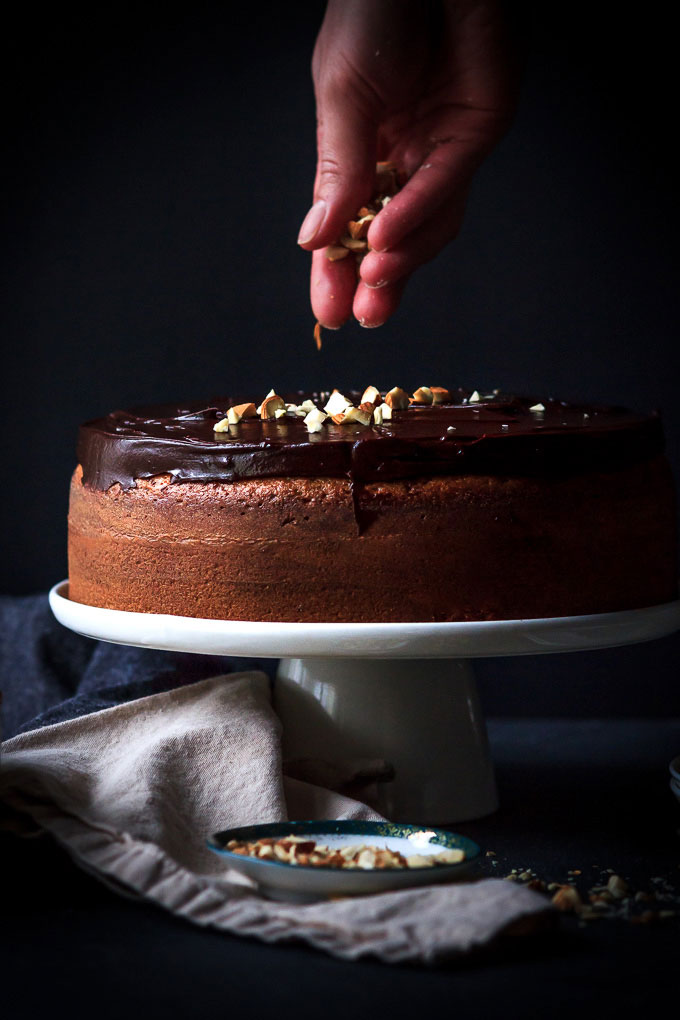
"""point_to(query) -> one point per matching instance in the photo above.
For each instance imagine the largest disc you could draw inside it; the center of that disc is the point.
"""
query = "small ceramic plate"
(281, 880)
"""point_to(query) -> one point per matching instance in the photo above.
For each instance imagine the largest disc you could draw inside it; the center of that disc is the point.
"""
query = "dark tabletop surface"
(576, 795)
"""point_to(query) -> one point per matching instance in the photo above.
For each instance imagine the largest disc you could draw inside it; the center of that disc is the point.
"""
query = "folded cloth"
(49, 674)
(133, 792)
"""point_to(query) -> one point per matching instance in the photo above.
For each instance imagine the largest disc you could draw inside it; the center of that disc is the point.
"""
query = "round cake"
(440, 506)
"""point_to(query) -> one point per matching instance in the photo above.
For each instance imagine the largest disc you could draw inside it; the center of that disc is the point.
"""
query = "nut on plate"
(297, 850)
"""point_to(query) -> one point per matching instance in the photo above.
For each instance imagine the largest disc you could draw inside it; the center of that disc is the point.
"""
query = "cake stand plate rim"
(474, 639)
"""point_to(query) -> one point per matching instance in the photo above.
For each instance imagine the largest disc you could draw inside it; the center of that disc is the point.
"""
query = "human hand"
(429, 86)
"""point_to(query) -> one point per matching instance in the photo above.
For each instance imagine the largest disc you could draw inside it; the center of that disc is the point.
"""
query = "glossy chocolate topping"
(498, 435)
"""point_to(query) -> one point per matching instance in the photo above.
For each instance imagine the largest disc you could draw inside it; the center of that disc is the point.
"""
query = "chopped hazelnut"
(354, 244)
(423, 395)
(617, 887)
(388, 180)
(371, 395)
(297, 850)
(336, 252)
(246, 410)
(353, 414)
(358, 229)
(397, 399)
(337, 403)
(314, 420)
(440, 395)
(270, 405)
(567, 898)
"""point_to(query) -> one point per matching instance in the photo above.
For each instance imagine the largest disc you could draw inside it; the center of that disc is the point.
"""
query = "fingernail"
(312, 222)
(375, 286)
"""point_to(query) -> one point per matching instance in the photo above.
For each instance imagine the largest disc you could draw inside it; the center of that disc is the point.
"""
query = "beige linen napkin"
(134, 791)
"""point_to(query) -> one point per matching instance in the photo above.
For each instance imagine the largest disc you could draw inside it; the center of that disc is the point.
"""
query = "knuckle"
(330, 171)
(333, 82)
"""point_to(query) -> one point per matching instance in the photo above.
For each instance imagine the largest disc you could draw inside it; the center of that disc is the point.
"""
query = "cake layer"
(446, 547)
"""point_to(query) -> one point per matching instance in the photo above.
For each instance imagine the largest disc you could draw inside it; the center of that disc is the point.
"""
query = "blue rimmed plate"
(283, 880)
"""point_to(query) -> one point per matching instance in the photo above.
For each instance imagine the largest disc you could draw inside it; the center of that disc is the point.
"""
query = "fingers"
(336, 295)
(332, 289)
(380, 269)
(442, 178)
(345, 173)
(373, 307)
(442, 131)
(367, 57)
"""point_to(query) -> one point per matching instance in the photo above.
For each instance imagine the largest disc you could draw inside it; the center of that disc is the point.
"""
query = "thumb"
(345, 171)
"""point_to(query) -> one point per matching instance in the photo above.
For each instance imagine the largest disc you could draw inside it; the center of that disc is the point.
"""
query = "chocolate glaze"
(500, 435)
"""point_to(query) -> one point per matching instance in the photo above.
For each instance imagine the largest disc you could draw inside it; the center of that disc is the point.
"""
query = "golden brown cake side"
(468, 547)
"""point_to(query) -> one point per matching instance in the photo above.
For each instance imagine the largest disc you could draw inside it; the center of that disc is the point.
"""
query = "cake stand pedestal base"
(403, 692)
(422, 716)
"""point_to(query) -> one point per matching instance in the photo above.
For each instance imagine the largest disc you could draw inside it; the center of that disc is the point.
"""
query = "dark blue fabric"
(49, 674)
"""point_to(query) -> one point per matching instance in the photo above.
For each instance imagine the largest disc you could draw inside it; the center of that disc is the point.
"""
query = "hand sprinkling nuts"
(354, 240)
(414, 106)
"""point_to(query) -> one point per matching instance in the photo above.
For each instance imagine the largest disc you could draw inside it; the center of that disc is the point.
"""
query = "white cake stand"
(404, 692)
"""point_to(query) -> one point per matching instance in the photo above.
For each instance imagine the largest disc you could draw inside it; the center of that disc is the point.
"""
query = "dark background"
(157, 169)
